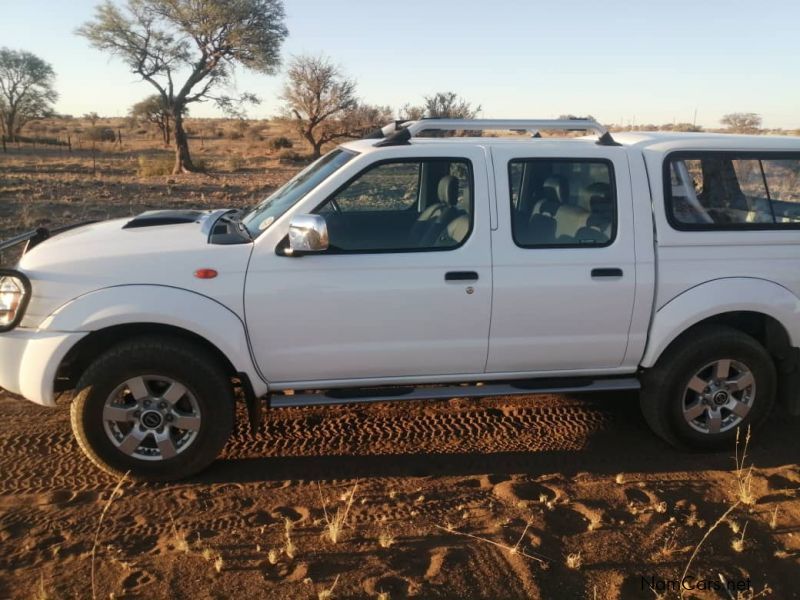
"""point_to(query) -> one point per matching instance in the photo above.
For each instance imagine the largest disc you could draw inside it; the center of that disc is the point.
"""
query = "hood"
(156, 248)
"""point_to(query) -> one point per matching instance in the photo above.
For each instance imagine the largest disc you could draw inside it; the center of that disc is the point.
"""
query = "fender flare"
(164, 305)
(717, 297)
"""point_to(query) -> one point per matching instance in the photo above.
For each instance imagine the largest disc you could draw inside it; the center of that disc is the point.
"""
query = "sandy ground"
(553, 476)
(564, 497)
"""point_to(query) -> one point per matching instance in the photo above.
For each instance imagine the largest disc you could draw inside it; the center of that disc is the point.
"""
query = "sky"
(622, 61)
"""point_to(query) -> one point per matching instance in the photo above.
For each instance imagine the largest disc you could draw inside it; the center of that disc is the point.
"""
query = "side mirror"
(308, 233)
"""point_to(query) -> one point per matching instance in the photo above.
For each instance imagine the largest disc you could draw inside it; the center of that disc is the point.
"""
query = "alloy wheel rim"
(719, 396)
(151, 417)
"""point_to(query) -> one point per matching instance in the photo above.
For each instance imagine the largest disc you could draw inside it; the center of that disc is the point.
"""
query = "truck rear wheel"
(158, 407)
(711, 382)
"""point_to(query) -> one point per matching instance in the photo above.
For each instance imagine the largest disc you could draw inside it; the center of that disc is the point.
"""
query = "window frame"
(613, 183)
(760, 155)
(406, 159)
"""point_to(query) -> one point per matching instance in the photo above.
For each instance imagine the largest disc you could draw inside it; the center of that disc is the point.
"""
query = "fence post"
(69, 143)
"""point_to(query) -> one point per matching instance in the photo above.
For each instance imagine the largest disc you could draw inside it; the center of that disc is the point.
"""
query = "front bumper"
(29, 360)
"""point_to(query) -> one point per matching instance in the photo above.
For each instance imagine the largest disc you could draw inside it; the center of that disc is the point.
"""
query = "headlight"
(14, 294)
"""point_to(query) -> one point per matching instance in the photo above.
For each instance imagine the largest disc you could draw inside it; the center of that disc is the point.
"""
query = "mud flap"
(255, 406)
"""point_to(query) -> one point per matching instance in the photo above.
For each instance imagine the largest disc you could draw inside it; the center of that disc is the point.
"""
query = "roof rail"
(401, 132)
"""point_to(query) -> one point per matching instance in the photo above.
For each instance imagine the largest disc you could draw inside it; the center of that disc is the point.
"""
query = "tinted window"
(727, 190)
(562, 202)
(404, 205)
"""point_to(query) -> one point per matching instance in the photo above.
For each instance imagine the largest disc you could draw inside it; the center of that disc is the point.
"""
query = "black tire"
(665, 385)
(173, 358)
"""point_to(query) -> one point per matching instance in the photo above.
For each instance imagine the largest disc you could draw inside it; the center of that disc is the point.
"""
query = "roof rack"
(401, 132)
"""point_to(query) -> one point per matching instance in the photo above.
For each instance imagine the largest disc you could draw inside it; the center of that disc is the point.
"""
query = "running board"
(389, 394)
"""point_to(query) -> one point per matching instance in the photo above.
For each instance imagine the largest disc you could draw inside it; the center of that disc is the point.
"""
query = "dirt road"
(591, 501)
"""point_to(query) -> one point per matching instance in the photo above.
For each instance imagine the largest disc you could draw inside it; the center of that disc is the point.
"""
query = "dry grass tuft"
(738, 543)
(386, 539)
(574, 561)
(335, 524)
(744, 476)
(180, 539)
(289, 549)
(219, 564)
(516, 549)
(327, 594)
(773, 521)
(155, 165)
(117, 492)
(41, 593)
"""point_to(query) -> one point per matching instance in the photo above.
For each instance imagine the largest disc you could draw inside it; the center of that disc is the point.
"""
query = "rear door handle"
(611, 272)
(461, 276)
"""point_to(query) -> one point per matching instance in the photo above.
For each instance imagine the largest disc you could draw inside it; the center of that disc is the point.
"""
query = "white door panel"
(549, 313)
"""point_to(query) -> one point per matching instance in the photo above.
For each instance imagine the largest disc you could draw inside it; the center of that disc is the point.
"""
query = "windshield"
(265, 213)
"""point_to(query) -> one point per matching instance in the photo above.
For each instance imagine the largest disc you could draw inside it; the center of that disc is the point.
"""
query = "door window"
(562, 202)
(402, 206)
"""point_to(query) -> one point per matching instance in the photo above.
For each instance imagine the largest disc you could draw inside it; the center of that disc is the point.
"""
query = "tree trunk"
(9, 127)
(316, 145)
(183, 160)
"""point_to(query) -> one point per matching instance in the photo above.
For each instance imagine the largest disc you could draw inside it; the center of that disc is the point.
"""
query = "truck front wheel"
(157, 407)
(711, 382)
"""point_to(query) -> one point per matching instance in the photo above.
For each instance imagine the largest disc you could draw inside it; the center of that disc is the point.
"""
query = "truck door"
(563, 258)
(405, 288)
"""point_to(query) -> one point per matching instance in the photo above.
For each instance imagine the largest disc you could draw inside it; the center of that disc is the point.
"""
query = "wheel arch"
(762, 309)
(112, 315)
(90, 347)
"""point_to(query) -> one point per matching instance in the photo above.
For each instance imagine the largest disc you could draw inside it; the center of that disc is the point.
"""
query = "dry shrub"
(233, 163)
(280, 143)
(99, 134)
(291, 156)
(155, 165)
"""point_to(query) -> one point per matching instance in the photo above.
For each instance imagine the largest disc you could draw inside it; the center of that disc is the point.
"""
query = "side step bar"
(389, 394)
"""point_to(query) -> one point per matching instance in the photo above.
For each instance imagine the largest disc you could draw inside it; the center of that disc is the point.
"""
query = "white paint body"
(324, 321)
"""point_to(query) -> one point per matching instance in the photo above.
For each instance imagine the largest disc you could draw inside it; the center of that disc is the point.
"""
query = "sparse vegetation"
(279, 143)
(289, 549)
(574, 561)
(386, 539)
(744, 475)
(117, 491)
(154, 165)
(335, 523)
(159, 40)
(327, 593)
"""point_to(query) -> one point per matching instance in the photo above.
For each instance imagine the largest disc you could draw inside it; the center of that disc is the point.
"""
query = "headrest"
(601, 205)
(599, 188)
(448, 190)
(554, 183)
(550, 201)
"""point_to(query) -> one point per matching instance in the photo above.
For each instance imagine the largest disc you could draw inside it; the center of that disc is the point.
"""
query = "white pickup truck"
(405, 267)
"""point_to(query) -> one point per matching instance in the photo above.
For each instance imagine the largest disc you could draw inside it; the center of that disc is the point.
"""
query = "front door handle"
(461, 276)
(612, 272)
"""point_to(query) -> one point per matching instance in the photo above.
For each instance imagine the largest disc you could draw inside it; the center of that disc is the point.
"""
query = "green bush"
(280, 142)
